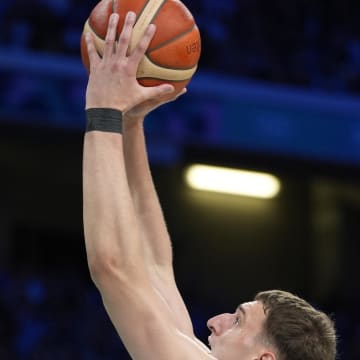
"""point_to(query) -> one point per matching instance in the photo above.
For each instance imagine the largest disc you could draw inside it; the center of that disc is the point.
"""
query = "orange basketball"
(174, 51)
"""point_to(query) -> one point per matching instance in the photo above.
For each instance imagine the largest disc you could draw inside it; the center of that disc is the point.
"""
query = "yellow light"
(232, 181)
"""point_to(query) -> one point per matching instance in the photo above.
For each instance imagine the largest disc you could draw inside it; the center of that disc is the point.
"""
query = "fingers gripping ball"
(174, 52)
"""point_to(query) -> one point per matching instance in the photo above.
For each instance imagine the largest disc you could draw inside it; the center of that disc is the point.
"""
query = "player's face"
(238, 335)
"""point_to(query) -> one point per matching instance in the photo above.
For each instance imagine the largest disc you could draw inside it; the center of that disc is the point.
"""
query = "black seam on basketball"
(176, 37)
(113, 10)
(92, 29)
(141, 11)
(170, 67)
(158, 10)
(96, 34)
(165, 80)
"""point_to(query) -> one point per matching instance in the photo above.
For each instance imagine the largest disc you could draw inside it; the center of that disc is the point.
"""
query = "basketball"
(174, 52)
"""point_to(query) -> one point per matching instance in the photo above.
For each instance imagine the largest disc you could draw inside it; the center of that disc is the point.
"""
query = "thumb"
(158, 91)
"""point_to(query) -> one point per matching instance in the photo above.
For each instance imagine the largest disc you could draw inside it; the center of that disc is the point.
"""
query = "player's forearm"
(146, 202)
(110, 227)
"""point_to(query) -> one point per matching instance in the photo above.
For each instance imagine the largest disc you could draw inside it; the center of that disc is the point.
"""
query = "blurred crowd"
(309, 43)
(53, 316)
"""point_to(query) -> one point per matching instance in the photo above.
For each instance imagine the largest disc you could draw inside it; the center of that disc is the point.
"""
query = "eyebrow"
(241, 309)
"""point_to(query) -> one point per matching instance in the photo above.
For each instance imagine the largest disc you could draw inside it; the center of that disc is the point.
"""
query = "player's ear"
(268, 355)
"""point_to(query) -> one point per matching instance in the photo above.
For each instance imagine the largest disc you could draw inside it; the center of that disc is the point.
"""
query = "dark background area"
(284, 101)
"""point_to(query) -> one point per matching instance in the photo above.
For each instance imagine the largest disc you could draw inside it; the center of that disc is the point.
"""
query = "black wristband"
(104, 119)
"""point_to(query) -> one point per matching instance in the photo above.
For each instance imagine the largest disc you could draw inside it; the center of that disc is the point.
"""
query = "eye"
(237, 320)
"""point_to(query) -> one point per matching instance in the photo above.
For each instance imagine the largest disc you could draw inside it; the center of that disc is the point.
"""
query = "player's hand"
(112, 81)
(138, 112)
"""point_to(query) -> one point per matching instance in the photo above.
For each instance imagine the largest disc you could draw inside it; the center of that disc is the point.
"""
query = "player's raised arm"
(154, 234)
(112, 90)
(113, 244)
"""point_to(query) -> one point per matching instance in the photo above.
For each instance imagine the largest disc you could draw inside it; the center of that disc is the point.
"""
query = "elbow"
(102, 268)
(97, 267)
(106, 269)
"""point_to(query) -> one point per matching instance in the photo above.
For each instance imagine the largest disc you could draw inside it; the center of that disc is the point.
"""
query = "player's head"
(277, 325)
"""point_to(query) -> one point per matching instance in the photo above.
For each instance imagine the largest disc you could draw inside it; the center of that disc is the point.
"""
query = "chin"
(215, 353)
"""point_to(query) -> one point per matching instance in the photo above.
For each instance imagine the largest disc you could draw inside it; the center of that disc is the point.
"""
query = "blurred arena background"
(277, 90)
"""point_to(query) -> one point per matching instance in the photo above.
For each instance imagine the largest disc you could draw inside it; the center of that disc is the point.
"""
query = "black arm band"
(104, 119)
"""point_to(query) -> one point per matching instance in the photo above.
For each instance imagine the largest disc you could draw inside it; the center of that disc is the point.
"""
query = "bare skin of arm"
(154, 234)
(119, 264)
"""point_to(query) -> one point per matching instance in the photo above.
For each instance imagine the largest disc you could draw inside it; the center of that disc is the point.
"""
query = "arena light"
(232, 181)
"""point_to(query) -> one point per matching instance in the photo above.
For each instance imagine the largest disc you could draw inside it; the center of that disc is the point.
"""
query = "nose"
(219, 323)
